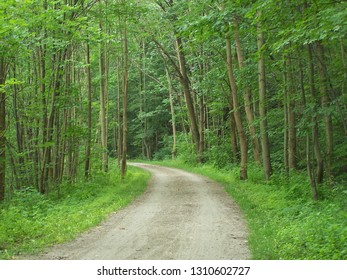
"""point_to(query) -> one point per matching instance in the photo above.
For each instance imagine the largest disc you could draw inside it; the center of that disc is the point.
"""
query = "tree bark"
(89, 115)
(233, 136)
(3, 72)
(187, 94)
(237, 113)
(309, 170)
(119, 127)
(315, 130)
(247, 97)
(19, 133)
(173, 115)
(325, 105)
(103, 118)
(125, 99)
(285, 119)
(291, 117)
(47, 168)
(262, 105)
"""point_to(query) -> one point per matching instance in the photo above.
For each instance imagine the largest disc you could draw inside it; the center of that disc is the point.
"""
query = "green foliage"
(165, 153)
(314, 231)
(219, 154)
(32, 221)
(34, 34)
(186, 150)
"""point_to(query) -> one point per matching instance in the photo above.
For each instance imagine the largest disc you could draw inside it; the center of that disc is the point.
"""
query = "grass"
(32, 222)
(283, 221)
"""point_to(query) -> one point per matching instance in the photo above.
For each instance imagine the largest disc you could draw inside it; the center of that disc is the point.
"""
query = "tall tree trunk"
(3, 72)
(309, 170)
(119, 127)
(125, 98)
(237, 113)
(47, 168)
(19, 132)
(184, 80)
(202, 126)
(41, 53)
(173, 115)
(247, 98)
(143, 105)
(315, 131)
(291, 117)
(103, 119)
(265, 145)
(188, 97)
(313, 181)
(325, 105)
(285, 119)
(89, 115)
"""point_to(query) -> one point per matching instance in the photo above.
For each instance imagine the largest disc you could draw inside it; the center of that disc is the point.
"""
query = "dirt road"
(180, 216)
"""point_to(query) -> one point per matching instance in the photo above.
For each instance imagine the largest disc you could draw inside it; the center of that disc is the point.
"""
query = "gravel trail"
(180, 216)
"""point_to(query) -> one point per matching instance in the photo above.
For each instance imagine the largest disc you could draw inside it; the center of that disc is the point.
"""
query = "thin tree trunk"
(291, 117)
(3, 72)
(173, 115)
(143, 105)
(202, 126)
(285, 118)
(237, 113)
(41, 53)
(262, 105)
(233, 136)
(315, 130)
(119, 127)
(125, 99)
(63, 146)
(309, 170)
(103, 119)
(56, 149)
(188, 97)
(89, 116)
(325, 105)
(46, 168)
(247, 98)
(19, 132)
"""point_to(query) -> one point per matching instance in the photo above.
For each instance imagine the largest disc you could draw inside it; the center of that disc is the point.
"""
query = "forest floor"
(180, 216)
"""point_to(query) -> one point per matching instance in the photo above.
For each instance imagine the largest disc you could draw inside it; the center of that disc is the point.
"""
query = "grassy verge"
(33, 222)
(283, 221)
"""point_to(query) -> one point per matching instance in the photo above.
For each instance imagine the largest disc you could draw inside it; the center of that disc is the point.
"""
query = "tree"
(89, 109)
(125, 95)
(182, 72)
(237, 113)
(3, 72)
(247, 96)
(103, 96)
(174, 79)
(262, 103)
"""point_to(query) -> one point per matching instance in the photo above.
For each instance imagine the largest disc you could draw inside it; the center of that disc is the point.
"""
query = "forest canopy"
(230, 83)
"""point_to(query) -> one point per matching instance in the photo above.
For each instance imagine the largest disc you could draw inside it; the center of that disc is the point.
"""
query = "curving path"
(180, 216)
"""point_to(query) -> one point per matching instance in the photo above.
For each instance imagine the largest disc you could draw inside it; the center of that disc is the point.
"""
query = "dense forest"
(230, 83)
(224, 82)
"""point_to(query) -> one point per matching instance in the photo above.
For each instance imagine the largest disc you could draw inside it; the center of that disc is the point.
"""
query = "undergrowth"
(32, 222)
(283, 220)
